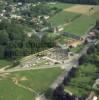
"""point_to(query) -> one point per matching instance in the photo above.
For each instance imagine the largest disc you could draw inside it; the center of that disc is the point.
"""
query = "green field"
(38, 80)
(4, 63)
(80, 25)
(62, 18)
(60, 5)
(9, 91)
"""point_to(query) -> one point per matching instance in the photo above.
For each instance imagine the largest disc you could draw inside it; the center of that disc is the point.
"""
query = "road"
(68, 65)
(26, 69)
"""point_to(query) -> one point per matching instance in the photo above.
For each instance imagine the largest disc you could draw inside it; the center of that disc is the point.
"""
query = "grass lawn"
(38, 80)
(60, 5)
(9, 91)
(36, 77)
(80, 25)
(82, 83)
(62, 18)
(4, 63)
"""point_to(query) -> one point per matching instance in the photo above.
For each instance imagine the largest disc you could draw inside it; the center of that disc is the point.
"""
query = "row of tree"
(67, 1)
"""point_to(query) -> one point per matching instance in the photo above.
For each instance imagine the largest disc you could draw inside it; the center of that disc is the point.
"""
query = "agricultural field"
(27, 84)
(76, 18)
(81, 25)
(83, 9)
(62, 18)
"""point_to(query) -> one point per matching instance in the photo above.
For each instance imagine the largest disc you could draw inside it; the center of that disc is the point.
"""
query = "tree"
(4, 37)
(2, 52)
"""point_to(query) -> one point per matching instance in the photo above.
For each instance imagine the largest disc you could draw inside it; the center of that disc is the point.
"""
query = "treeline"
(67, 1)
(15, 43)
(80, 1)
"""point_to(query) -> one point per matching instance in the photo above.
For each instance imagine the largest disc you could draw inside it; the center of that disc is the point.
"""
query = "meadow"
(62, 18)
(19, 85)
(81, 25)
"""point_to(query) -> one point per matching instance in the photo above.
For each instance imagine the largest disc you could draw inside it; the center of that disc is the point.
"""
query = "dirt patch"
(83, 9)
(16, 80)
(23, 78)
(4, 75)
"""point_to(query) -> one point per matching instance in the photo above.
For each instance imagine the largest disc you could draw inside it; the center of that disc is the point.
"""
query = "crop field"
(80, 25)
(76, 18)
(83, 9)
(25, 85)
(62, 18)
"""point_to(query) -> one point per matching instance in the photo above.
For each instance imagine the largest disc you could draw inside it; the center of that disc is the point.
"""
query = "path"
(25, 69)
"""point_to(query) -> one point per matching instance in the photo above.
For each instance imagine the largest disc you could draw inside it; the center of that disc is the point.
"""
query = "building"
(16, 16)
(92, 33)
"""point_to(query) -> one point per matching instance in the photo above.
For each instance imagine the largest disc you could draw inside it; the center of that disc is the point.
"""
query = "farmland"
(62, 17)
(83, 9)
(74, 20)
(80, 25)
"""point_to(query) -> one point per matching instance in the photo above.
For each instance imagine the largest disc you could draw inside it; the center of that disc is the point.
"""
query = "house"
(19, 4)
(60, 28)
(92, 33)
(1, 14)
(57, 29)
(16, 16)
(46, 17)
(3, 11)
